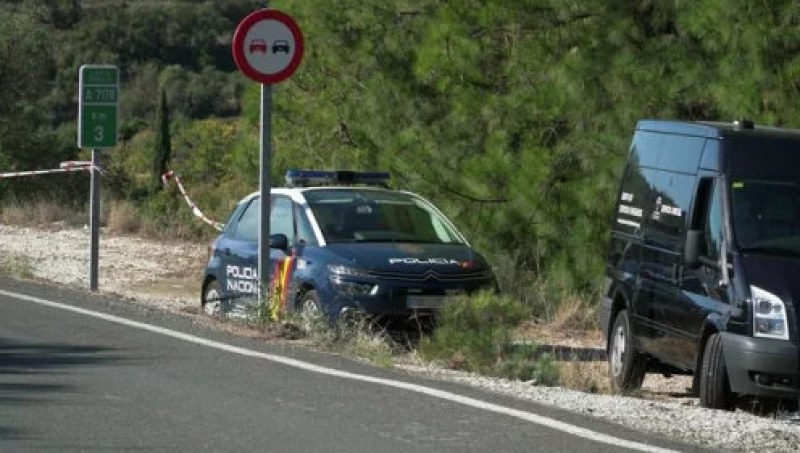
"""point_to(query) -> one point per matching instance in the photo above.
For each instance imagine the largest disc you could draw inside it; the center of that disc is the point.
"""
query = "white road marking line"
(299, 364)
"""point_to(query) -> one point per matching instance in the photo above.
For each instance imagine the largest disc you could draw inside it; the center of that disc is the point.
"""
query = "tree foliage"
(514, 117)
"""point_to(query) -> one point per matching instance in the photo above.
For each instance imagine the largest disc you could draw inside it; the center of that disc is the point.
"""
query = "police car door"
(240, 258)
(281, 221)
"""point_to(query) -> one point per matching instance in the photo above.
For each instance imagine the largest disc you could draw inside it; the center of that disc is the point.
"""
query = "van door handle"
(226, 251)
(677, 273)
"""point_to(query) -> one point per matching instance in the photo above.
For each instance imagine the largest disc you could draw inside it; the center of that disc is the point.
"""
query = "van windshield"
(766, 216)
(365, 215)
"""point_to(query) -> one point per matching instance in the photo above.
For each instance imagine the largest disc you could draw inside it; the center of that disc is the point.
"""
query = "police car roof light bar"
(305, 178)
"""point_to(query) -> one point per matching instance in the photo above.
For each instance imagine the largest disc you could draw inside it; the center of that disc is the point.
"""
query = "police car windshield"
(366, 215)
(766, 216)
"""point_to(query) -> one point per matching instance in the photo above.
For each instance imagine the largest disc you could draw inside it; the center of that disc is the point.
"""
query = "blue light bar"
(305, 178)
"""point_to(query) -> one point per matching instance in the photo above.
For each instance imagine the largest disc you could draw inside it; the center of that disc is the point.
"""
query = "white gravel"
(132, 267)
(129, 266)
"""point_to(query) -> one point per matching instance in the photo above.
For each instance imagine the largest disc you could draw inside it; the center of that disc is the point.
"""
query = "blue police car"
(343, 241)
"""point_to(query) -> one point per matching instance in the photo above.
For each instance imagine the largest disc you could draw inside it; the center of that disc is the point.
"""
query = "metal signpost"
(267, 47)
(98, 88)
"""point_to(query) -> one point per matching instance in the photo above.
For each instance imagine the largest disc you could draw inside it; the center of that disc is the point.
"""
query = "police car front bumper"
(390, 299)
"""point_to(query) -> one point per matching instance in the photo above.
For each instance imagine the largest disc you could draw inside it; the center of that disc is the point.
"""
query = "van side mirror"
(691, 251)
(279, 241)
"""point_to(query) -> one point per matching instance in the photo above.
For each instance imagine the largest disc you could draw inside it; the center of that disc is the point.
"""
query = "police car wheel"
(308, 308)
(309, 303)
(212, 306)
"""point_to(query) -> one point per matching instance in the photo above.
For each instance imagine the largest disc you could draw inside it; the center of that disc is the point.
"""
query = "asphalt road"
(73, 382)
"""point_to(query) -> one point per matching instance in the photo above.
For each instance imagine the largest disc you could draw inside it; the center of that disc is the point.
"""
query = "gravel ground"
(167, 275)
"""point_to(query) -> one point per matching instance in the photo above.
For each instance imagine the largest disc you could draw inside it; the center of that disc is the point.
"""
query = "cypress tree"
(163, 149)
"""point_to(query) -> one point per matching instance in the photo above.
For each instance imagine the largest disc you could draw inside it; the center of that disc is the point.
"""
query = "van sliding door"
(662, 263)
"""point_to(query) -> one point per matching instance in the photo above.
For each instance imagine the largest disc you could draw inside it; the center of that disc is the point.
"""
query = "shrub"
(475, 334)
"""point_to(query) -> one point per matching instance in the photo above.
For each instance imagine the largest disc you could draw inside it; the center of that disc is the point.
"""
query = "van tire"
(715, 392)
(626, 366)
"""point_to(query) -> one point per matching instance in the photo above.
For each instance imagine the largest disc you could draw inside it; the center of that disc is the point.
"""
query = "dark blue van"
(346, 242)
(703, 268)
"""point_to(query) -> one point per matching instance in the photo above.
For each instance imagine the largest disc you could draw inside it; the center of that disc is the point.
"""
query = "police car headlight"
(340, 276)
(769, 315)
(356, 289)
(337, 270)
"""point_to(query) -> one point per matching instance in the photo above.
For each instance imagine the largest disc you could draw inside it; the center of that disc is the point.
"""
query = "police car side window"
(281, 220)
(247, 229)
(305, 233)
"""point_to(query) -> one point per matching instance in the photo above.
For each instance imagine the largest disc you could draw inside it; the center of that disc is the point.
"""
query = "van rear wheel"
(715, 391)
(625, 365)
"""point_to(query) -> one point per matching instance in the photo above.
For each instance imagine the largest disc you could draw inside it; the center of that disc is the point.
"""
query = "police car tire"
(715, 392)
(308, 302)
(631, 364)
(211, 287)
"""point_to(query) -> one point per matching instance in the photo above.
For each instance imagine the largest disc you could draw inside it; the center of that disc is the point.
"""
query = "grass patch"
(358, 335)
(475, 334)
(42, 212)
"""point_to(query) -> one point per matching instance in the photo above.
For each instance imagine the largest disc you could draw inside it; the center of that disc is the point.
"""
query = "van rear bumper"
(761, 366)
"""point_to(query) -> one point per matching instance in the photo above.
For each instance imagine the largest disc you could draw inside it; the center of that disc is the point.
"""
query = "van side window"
(666, 221)
(714, 226)
(707, 217)
(634, 200)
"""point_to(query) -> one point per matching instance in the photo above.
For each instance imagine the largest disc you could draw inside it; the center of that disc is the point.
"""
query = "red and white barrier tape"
(166, 177)
(65, 167)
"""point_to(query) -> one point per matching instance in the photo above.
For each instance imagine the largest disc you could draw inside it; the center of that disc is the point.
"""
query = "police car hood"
(411, 258)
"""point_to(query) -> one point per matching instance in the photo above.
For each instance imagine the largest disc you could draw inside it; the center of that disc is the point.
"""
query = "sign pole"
(98, 108)
(265, 146)
(94, 221)
(267, 47)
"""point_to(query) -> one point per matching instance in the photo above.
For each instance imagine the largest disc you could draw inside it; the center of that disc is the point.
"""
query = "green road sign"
(97, 106)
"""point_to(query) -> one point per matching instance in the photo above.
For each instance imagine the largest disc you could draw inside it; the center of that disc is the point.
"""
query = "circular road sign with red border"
(267, 46)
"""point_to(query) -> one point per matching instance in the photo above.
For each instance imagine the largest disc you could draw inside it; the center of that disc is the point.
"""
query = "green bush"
(475, 334)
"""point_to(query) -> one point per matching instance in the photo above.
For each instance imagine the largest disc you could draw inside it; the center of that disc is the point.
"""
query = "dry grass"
(42, 213)
(573, 313)
(585, 376)
(572, 335)
(122, 217)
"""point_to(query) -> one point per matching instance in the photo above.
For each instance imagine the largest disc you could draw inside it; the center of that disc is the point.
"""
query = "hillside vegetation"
(513, 116)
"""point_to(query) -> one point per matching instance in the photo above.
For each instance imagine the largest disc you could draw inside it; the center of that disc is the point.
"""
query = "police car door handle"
(226, 251)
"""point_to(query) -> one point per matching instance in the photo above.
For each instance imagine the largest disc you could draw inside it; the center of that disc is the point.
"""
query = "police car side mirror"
(279, 241)
(691, 255)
